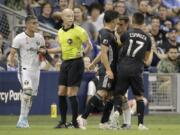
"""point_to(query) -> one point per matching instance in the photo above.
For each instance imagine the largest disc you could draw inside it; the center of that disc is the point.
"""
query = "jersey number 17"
(136, 50)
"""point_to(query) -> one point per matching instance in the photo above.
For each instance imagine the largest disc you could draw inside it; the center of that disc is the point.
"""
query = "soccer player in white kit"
(26, 45)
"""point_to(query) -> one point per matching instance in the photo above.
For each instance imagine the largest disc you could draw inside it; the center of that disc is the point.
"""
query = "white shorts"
(29, 79)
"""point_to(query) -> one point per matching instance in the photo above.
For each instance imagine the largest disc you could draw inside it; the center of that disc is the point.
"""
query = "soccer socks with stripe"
(140, 111)
(95, 101)
(74, 108)
(107, 111)
(63, 108)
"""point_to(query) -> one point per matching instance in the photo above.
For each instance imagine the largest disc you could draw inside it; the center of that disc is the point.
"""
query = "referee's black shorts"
(71, 72)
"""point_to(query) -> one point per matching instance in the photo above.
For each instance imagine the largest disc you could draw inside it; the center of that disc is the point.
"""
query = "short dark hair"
(162, 6)
(124, 17)
(155, 17)
(170, 47)
(110, 15)
(172, 30)
(30, 17)
(138, 18)
(95, 5)
(44, 4)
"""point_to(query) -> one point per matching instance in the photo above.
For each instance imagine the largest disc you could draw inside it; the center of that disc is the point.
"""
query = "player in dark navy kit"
(107, 72)
(134, 53)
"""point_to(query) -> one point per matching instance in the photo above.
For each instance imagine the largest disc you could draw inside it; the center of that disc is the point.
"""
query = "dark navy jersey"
(135, 43)
(107, 38)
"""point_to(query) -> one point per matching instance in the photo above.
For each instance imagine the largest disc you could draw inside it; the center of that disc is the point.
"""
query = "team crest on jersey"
(38, 43)
(26, 82)
(69, 41)
(105, 41)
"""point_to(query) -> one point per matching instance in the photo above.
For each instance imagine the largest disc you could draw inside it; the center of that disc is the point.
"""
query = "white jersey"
(27, 48)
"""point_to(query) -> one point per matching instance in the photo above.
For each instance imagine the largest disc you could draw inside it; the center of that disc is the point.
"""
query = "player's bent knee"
(26, 97)
(62, 93)
(139, 98)
(28, 91)
(72, 92)
(102, 93)
(98, 96)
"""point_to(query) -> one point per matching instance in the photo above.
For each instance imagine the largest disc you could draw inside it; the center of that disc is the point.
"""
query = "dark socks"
(63, 108)
(117, 104)
(74, 108)
(140, 111)
(95, 101)
(107, 111)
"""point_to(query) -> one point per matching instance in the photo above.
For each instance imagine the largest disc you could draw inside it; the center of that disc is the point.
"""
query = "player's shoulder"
(20, 36)
(38, 35)
(105, 32)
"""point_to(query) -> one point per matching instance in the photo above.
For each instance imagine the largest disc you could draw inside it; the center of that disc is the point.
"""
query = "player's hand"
(91, 67)
(42, 50)
(110, 74)
(10, 64)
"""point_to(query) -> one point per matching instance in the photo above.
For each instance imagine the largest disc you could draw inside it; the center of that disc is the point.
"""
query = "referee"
(71, 39)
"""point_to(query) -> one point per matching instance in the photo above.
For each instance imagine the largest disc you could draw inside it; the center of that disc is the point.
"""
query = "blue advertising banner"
(10, 93)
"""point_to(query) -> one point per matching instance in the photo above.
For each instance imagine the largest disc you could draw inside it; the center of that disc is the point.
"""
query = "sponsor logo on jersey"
(26, 82)
(105, 41)
(70, 41)
(38, 43)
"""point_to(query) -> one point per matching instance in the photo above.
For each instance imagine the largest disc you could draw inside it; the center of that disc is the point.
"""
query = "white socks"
(127, 116)
(26, 103)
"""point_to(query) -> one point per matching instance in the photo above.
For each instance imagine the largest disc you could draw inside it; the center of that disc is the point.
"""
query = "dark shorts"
(104, 82)
(71, 72)
(134, 81)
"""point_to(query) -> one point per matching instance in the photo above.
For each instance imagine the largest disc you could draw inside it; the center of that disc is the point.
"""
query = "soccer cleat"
(82, 122)
(61, 125)
(125, 126)
(142, 127)
(114, 124)
(105, 125)
(71, 125)
(22, 123)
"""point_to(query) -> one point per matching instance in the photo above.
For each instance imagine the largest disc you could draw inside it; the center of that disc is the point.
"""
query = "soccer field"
(43, 125)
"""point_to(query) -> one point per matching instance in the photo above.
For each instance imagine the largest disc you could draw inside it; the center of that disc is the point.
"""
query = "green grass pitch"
(165, 124)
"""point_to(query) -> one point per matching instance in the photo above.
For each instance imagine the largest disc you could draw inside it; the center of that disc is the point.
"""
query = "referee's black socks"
(95, 101)
(63, 108)
(140, 111)
(74, 108)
